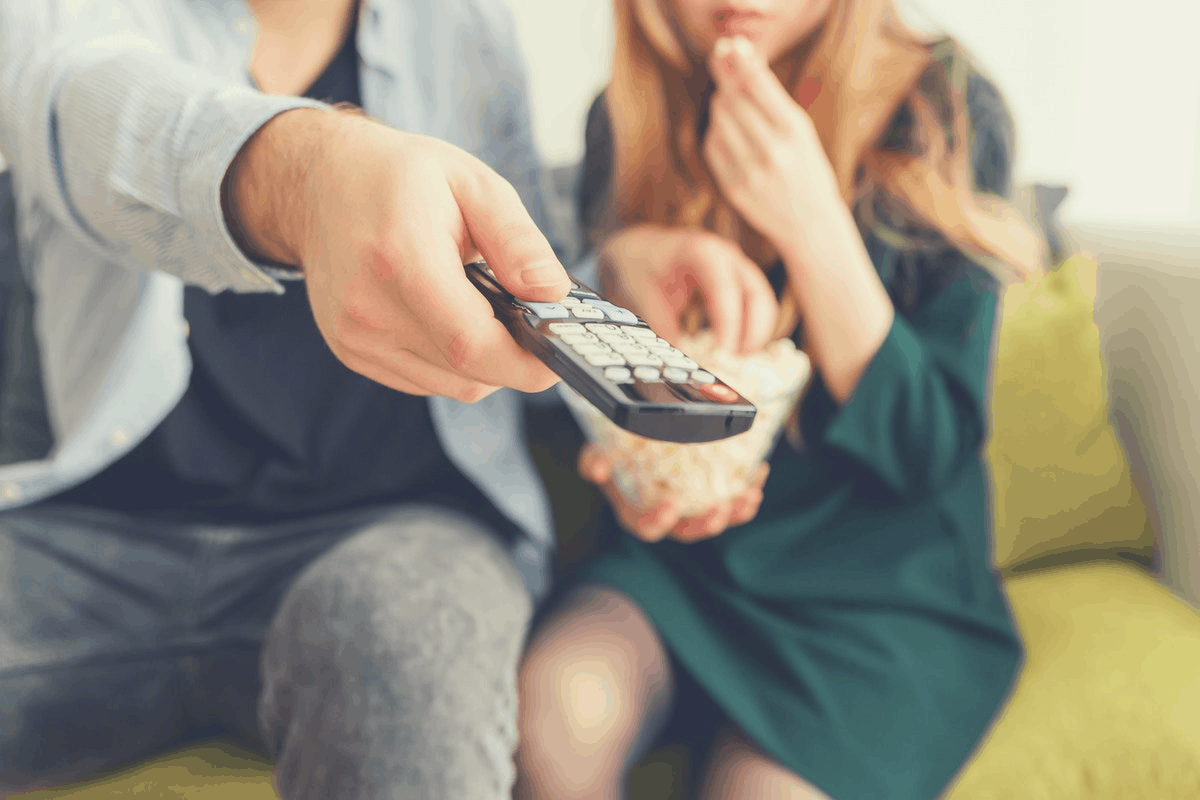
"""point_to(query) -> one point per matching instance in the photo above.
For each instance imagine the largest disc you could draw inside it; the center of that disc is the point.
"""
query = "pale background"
(1106, 99)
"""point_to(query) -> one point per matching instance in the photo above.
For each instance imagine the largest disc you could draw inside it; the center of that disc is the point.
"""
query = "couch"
(1107, 706)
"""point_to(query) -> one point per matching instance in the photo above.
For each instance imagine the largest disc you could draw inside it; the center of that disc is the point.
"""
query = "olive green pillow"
(1062, 482)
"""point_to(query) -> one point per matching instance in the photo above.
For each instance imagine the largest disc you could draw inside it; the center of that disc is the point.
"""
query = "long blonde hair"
(869, 65)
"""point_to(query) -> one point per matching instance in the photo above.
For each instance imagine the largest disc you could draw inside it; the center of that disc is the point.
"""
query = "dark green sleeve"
(918, 415)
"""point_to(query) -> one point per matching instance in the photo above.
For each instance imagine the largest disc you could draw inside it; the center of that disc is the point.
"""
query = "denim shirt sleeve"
(124, 143)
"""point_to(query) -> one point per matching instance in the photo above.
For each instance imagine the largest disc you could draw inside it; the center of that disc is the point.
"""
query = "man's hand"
(655, 524)
(381, 223)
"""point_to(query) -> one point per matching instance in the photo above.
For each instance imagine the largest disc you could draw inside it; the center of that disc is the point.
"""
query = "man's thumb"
(507, 237)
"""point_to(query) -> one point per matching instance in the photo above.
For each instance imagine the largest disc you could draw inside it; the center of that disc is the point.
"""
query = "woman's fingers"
(760, 477)
(654, 524)
(594, 466)
(709, 524)
(746, 508)
(649, 526)
(760, 309)
(726, 132)
(723, 516)
(737, 68)
(741, 304)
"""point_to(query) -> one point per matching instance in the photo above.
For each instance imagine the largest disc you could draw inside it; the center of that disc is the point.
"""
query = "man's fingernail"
(722, 48)
(542, 276)
(743, 46)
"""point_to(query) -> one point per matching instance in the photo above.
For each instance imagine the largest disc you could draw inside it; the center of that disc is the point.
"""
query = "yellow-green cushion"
(1062, 482)
(212, 772)
(1108, 705)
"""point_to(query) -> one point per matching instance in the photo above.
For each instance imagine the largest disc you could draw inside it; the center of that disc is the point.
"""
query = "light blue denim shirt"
(119, 118)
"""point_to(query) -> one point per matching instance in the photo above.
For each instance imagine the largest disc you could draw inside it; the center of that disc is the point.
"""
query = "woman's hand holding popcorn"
(655, 524)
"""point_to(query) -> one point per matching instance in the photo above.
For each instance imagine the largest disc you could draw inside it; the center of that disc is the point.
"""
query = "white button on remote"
(586, 312)
(617, 374)
(628, 347)
(639, 360)
(683, 362)
(700, 376)
(559, 328)
(579, 338)
(646, 374)
(601, 327)
(614, 312)
(675, 375)
(605, 360)
(588, 348)
(641, 333)
(547, 310)
(569, 301)
(615, 336)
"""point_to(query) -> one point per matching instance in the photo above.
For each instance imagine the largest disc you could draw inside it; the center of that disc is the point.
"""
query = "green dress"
(854, 629)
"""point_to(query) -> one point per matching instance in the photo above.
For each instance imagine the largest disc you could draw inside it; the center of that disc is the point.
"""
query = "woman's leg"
(738, 769)
(594, 683)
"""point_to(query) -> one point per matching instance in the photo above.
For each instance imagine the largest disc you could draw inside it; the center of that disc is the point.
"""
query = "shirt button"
(119, 436)
(242, 24)
(10, 492)
(187, 329)
(249, 275)
(528, 553)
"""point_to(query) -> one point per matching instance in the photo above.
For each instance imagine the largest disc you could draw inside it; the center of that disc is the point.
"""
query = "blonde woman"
(803, 168)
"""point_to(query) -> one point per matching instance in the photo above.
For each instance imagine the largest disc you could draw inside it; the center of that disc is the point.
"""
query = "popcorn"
(699, 476)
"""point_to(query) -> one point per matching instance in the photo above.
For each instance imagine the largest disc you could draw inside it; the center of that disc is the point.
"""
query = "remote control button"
(647, 374)
(628, 347)
(547, 310)
(682, 362)
(587, 312)
(579, 338)
(676, 375)
(661, 342)
(569, 301)
(560, 328)
(641, 333)
(579, 291)
(601, 327)
(700, 376)
(662, 350)
(718, 393)
(615, 338)
(588, 348)
(605, 360)
(613, 311)
(639, 360)
(617, 374)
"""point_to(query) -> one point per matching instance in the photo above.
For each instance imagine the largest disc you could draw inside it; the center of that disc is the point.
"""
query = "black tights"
(595, 689)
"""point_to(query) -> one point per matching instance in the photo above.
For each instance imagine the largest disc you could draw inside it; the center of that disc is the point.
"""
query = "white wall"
(1106, 99)
(568, 45)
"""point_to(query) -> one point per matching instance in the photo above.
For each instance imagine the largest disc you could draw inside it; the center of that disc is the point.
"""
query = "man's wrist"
(264, 192)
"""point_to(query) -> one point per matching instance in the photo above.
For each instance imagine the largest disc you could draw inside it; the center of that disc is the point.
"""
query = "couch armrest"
(1148, 313)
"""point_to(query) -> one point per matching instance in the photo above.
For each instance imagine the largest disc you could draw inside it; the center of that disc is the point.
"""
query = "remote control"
(611, 357)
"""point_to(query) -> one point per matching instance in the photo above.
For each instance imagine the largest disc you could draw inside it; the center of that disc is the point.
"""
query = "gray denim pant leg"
(390, 668)
(380, 647)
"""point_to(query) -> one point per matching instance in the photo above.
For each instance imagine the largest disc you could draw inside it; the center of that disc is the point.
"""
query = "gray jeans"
(372, 654)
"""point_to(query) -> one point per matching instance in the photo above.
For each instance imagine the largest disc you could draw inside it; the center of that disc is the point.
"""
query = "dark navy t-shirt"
(272, 425)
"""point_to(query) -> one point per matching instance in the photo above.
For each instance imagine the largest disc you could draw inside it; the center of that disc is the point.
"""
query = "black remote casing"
(686, 411)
